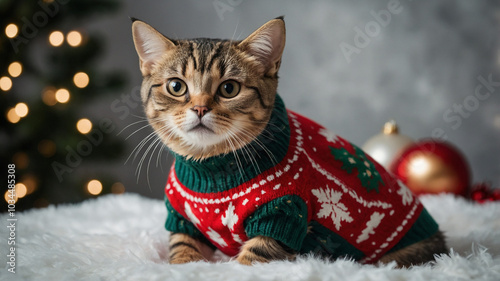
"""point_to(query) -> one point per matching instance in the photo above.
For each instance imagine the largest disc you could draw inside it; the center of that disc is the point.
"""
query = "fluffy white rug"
(122, 238)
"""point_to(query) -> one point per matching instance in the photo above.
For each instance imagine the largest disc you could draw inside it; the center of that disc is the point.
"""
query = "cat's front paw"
(184, 249)
(250, 259)
(185, 256)
(264, 249)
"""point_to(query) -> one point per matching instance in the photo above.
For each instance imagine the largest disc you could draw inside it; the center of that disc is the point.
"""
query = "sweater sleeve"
(176, 223)
(283, 219)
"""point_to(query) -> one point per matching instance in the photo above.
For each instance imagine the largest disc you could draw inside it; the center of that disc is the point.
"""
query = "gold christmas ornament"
(388, 145)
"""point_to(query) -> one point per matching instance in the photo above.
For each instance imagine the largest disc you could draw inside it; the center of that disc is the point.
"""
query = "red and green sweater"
(303, 186)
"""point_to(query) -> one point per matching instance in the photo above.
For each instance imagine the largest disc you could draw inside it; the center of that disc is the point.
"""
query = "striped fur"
(231, 123)
(184, 248)
(264, 249)
(228, 124)
(204, 65)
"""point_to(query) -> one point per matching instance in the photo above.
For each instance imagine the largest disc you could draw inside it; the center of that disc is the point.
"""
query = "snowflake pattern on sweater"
(325, 195)
(331, 207)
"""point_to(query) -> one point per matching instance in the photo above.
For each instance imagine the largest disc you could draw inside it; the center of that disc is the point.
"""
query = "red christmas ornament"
(433, 167)
(482, 193)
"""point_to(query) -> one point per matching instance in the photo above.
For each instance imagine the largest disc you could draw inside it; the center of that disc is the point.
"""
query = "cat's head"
(206, 97)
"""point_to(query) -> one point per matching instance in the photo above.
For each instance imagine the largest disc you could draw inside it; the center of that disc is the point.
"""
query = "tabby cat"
(258, 181)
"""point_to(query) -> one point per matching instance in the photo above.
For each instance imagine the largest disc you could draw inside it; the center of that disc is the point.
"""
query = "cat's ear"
(266, 44)
(150, 45)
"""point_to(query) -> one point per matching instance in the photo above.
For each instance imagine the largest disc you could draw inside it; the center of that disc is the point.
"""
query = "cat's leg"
(418, 253)
(184, 249)
(264, 249)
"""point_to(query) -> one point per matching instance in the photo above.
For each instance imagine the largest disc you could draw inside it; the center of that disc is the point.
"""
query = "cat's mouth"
(201, 128)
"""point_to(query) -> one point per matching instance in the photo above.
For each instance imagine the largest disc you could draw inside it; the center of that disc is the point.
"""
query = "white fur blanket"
(121, 237)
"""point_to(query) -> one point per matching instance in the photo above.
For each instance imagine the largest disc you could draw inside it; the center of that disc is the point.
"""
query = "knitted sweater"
(303, 186)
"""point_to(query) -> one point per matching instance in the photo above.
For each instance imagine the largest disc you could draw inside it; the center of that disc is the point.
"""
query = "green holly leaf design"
(367, 173)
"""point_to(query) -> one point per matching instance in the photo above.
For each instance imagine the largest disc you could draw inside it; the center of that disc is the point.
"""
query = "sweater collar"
(223, 172)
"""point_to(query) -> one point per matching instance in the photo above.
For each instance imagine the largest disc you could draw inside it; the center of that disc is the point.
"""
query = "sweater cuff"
(283, 219)
(423, 228)
(176, 223)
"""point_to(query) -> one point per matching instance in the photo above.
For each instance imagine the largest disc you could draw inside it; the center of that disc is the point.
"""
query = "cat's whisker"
(159, 143)
(238, 162)
(141, 162)
(156, 141)
(152, 121)
(166, 140)
(247, 151)
(262, 146)
(138, 130)
(129, 125)
(141, 144)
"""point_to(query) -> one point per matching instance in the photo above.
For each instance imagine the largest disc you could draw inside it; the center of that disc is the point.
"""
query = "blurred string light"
(12, 116)
(15, 69)
(49, 96)
(74, 38)
(56, 38)
(117, 188)
(30, 181)
(81, 79)
(47, 148)
(94, 187)
(21, 190)
(5, 83)
(10, 196)
(17, 112)
(11, 30)
(21, 160)
(62, 95)
(21, 109)
(84, 126)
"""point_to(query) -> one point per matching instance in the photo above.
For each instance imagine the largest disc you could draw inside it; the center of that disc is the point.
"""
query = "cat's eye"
(229, 89)
(176, 87)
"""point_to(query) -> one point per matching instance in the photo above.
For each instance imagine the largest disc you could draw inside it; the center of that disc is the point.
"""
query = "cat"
(258, 181)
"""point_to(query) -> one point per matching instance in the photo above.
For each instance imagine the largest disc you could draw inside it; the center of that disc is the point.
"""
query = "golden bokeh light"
(12, 116)
(84, 125)
(10, 196)
(11, 30)
(15, 69)
(21, 160)
(56, 38)
(81, 79)
(47, 148)
(21, 109)
(74, 38)
(30, 181)
(21, 190)
(62, 95)
(118, 188)
(94, 187)
(5, 83)
(49, 96)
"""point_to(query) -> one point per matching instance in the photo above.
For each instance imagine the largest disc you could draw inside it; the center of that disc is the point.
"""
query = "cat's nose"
(200, 110)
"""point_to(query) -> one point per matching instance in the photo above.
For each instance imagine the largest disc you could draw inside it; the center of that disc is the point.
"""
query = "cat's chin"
(200, 144)
(202, 137)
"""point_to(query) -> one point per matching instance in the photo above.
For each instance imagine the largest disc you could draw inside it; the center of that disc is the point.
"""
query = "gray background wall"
(419, 67)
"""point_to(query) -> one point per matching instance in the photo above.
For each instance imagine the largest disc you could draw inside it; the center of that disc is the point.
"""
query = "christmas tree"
(49, 80)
